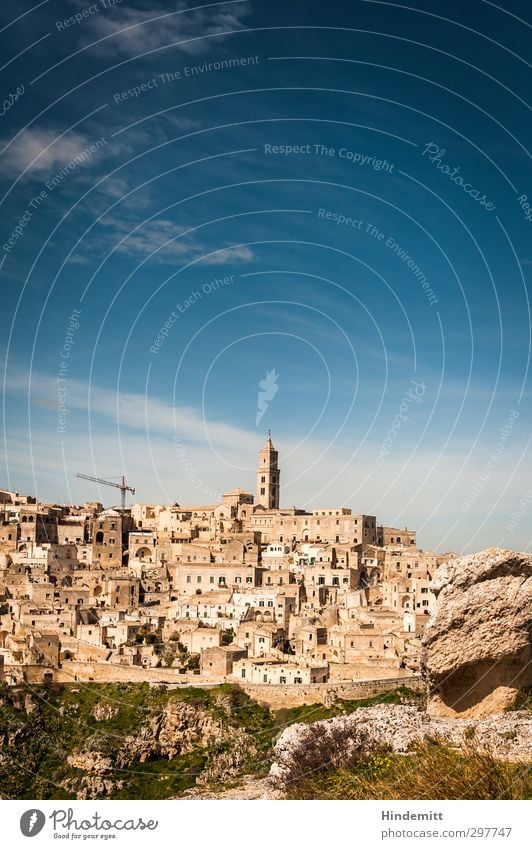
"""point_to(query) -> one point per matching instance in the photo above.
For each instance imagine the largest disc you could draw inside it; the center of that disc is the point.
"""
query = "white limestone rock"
(476, 648)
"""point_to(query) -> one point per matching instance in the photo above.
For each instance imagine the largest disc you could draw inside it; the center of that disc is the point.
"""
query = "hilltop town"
(242, 591)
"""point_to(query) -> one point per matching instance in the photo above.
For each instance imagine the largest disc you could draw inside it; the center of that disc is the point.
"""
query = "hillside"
(136, 741)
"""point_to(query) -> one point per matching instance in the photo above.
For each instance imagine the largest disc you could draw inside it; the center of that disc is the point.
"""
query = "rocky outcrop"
(182, 727)
(96, 772)
(104, 712)
(178, 728)
(476, 649)
(248, 788)
(334, 741)
(93, 762)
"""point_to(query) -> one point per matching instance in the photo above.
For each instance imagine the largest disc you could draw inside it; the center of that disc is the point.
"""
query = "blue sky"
(331, 191)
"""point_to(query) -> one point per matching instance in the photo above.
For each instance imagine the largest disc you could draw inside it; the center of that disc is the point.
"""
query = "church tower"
(268, 476)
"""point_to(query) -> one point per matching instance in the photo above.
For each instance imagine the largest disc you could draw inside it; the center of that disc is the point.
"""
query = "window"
(198, 579)
(265, 679)
(298, 680)
(262, 491)
(211, 579)
(282, 679)
(243, 673)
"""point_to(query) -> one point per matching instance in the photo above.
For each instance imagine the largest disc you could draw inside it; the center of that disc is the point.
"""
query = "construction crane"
(122, 486)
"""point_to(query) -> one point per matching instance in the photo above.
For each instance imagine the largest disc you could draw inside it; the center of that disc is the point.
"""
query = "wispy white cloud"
(42, 152)
(128, 409)
(169, 242)
(132, 32)
(227, 256)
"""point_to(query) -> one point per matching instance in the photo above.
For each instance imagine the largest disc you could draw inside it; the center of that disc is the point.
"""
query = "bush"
(430, 771)
(323, 749)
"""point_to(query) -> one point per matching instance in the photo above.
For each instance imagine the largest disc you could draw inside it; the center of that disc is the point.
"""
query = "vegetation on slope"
(42, 728)
(430, 771)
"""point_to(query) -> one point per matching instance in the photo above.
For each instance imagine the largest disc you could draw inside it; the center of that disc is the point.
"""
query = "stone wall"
(275, 696)
(102, 673)
(112, 673)
(294, 695)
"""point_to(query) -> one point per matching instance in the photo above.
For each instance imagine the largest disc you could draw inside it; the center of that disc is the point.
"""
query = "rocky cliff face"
(477, 644)
(396, 728)
(178, 729)
(127, 741)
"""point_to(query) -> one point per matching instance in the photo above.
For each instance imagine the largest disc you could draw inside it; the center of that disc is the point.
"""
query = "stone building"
(268, 477)
(218, 661)
(109, 531)
(273, 671)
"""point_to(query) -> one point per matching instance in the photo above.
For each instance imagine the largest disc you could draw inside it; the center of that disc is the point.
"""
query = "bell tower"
(268, 476)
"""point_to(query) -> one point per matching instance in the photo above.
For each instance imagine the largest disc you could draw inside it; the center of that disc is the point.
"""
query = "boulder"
(476, 648)
(303, 748)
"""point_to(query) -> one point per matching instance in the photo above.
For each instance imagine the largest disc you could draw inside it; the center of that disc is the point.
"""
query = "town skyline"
(206, 494)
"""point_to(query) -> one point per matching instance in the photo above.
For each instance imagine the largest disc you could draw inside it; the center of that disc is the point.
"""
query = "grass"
(430, 771)
(161, 778)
